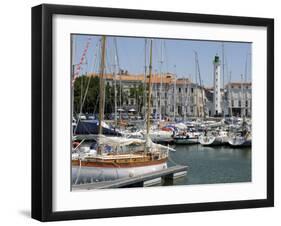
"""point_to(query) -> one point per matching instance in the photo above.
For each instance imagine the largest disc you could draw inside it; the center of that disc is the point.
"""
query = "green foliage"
(91, 104)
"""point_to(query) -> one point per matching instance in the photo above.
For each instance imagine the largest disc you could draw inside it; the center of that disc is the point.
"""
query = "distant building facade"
(236, 100)
(239, 98)
(177, 97)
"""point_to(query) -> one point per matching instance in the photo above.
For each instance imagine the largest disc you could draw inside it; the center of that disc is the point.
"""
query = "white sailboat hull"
(85, 174)
(207, 140)
(212, 140)
(240, 142)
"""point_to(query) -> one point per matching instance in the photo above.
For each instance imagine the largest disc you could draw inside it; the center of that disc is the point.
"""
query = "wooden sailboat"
(117, 157)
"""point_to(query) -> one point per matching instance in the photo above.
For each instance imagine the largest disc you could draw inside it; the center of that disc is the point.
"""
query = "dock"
(143, 180)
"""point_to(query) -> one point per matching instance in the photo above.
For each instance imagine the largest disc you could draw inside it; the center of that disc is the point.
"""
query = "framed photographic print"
(146, 112)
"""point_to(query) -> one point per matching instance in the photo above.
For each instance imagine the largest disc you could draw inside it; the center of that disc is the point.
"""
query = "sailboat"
(156, 134)
(219, 137)
(191, 137)
(242, 138)
(110, 158)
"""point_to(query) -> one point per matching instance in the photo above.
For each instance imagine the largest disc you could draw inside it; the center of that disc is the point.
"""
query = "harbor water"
(209, 165)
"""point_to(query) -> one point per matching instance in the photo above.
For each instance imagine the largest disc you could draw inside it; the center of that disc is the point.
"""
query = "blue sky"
(178, 56)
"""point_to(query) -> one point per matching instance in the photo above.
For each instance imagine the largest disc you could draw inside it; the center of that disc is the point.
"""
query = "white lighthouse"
(217, 94)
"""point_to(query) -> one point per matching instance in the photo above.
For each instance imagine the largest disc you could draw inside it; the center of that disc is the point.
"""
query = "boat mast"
(242, 95)
(115, 85)
(149, 92)
(175, 97)
(246, 68)
(201, 86)
(223, 103)
(160, 95)
(185, 102)
(144, 77)
(118, 66)
(230, 94)
(196, 85)
(245, 80)
(73, 43)
(101, 84)
(155, 91)
(188, 98)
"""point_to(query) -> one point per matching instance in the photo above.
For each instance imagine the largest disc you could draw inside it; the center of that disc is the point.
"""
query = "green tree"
(91, 102)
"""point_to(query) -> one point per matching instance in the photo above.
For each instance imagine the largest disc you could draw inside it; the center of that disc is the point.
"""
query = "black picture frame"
(42, 111)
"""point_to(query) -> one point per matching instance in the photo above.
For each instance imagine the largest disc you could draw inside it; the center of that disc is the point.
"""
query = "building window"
(246, 103)
(232, 103)
(179, 90)
(191, 90)
(179, 110)
(186, 90)
(239, 103)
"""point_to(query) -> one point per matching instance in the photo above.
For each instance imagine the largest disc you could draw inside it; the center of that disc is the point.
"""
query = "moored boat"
(186, 138)
(215, 138)
(116, 157)
(240, 140)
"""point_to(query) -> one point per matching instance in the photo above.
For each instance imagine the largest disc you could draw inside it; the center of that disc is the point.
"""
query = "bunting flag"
(79, 66)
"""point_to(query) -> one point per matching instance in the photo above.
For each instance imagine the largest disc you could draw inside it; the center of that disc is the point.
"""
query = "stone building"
(236, 99)
(239, 98)
(171, 96)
